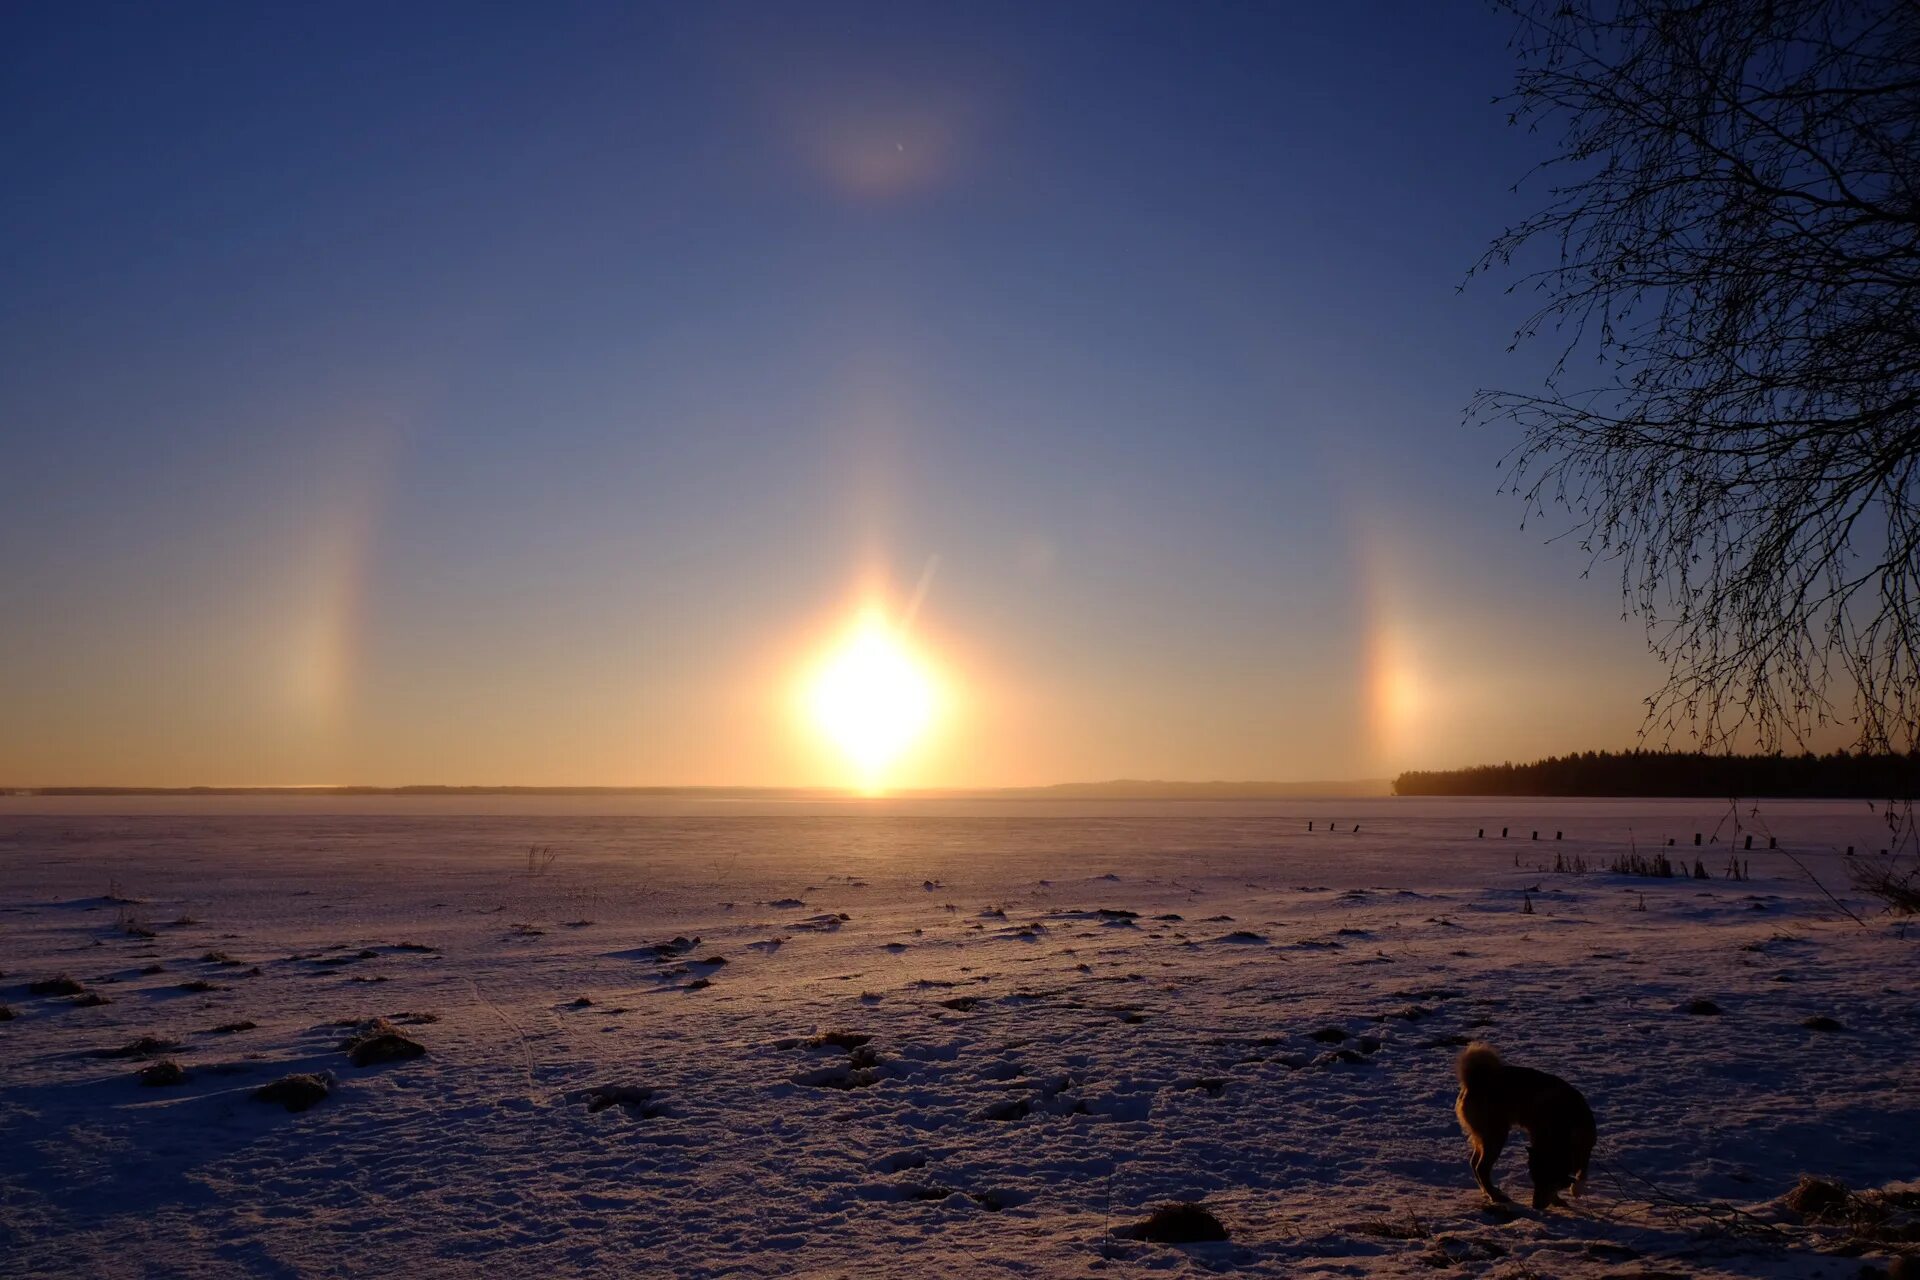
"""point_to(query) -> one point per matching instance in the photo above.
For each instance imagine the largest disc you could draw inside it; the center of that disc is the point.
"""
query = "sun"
(872, 697)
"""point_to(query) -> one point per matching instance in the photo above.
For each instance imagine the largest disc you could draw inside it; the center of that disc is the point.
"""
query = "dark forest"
(1841, 775)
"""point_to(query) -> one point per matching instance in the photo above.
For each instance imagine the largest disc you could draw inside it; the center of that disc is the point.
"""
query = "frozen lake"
(1076, 1011)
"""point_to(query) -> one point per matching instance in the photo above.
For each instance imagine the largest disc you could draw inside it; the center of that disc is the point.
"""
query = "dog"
(1495, 1097)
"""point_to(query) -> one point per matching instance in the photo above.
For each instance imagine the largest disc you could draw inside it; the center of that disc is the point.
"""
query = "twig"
(1805, 871)
(1724, 1215)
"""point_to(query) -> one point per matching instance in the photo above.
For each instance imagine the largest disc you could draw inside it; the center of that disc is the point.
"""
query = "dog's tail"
(1478, 1065)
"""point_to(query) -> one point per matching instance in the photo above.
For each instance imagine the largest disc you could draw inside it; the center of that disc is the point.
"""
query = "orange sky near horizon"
(314, 696)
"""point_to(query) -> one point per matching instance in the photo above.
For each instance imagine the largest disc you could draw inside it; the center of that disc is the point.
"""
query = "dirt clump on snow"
(298, 1091)
(848, 1040)
(1876, 1217)
(1181, 1223)
(162, 1073)
(377, 1040)
(637, 1099)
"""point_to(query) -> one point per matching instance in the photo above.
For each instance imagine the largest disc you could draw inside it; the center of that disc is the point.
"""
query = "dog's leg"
(1486, 1149)
(1548, 1166)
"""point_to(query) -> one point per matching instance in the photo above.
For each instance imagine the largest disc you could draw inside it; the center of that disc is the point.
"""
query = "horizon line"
(1109, 787)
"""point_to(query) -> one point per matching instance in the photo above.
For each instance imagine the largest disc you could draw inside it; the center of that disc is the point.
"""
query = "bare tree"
(1729, 256)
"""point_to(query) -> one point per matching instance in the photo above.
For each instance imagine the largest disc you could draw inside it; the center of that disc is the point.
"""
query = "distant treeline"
(1842, 776)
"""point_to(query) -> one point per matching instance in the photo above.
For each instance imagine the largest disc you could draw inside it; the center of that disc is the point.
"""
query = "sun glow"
(872, 697)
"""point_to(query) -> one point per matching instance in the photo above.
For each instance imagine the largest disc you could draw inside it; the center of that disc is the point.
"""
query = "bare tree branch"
(1731, 242)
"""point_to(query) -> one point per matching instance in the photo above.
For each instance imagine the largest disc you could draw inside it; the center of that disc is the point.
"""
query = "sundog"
(1495, 1097)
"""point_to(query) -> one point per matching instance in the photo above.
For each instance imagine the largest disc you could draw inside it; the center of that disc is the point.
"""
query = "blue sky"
(510, 394)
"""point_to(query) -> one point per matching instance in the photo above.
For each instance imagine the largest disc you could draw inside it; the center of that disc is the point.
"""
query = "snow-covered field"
(1076, 1014)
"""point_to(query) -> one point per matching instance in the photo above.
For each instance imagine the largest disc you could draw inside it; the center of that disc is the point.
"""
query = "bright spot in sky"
(872, 697)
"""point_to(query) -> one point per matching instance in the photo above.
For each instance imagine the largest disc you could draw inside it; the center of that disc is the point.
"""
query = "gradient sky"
(480, 394)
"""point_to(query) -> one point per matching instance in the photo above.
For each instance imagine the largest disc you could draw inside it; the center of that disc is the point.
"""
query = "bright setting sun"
(872, 697)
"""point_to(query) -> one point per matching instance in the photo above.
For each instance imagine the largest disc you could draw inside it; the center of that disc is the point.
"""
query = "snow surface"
(1042, 1070)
